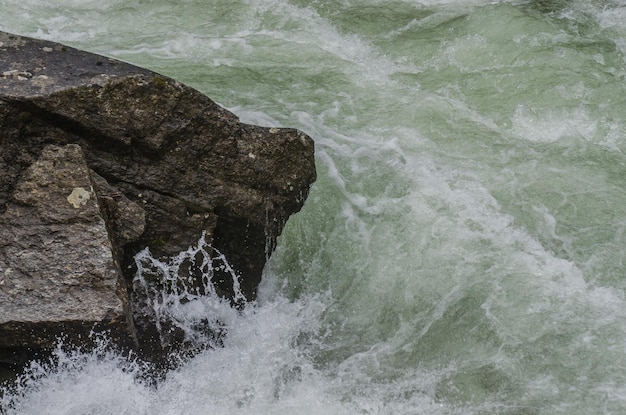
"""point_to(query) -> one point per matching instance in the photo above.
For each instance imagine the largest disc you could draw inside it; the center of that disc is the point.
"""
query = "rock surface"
(57, 271)
(99, 158)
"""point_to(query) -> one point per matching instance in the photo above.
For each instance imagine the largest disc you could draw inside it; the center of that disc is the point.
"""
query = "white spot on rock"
(78, 197)
(20, 75)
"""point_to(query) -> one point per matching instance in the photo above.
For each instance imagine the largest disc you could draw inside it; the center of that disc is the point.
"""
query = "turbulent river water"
(464, 248)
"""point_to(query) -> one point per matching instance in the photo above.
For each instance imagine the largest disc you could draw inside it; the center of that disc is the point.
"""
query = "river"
(463, 250)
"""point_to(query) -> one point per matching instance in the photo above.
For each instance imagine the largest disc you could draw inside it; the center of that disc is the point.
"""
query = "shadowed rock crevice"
(161, 165)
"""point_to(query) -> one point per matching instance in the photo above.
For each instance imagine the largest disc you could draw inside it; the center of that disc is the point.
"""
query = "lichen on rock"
(78, 197)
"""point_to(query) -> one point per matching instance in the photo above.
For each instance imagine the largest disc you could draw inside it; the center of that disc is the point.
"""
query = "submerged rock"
(162, 165)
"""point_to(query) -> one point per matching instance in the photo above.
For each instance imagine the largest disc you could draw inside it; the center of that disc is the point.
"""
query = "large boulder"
(156, 164)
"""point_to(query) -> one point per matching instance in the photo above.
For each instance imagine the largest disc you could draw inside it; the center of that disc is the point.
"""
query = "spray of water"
(178, 295)
(65, 383)
(189, 316)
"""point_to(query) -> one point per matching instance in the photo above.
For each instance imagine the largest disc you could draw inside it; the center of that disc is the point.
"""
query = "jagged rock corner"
(100, 159)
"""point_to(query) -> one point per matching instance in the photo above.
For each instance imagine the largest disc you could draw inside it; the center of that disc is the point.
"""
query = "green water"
(463, 249)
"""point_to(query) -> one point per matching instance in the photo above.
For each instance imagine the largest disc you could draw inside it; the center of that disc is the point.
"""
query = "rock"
(166, 165)
(57, 271)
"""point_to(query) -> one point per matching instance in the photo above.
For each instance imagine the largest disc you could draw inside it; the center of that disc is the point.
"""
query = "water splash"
(180, 297)
(65, 383)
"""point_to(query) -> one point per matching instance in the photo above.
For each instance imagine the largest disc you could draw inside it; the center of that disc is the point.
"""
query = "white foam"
(365, 64)
(96, 383)
(551, 125)
(261, 369)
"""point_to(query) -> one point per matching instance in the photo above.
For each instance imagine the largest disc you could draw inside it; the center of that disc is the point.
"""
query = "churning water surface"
(463, 250)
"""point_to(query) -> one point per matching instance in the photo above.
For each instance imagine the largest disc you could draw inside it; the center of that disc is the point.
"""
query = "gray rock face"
(99, 158)
(57, 271)
(56, 254)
